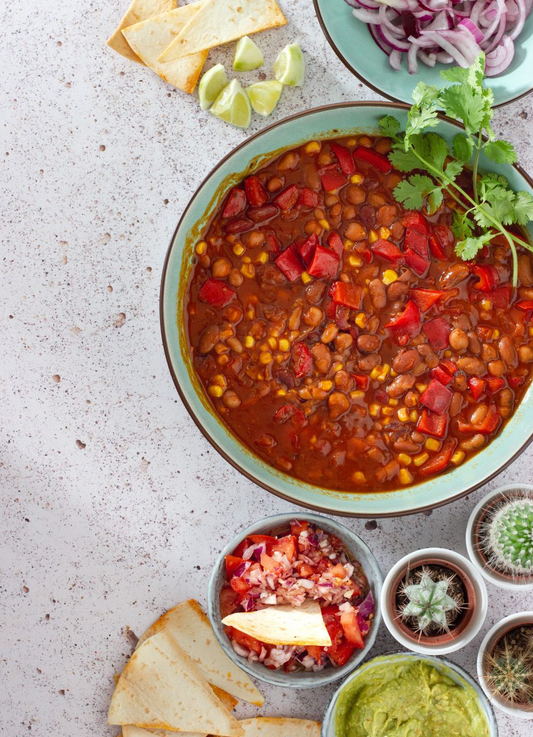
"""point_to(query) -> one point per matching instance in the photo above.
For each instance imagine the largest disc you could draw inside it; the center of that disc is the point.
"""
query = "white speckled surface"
(114, 505)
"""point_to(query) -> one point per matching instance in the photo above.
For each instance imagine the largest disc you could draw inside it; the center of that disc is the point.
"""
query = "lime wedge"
(289, 67)
(211, 85)
(233, 105)
(264, 96)
(248, 55)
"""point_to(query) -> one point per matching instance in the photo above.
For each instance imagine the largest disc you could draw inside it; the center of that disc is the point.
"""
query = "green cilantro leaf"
(523, 208)
(462, 226)
(466, 104)
(389, 126)
(438, 149)
(469, 247)
(423, 94)
(455, 74)
(463, 148)
(412, 192)
(453, 170)
(501, 152)
(435, 199)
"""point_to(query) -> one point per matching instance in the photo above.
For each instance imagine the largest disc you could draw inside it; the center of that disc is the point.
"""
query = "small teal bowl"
(445, 666)
(321, 123)
(279, 523)
(353, 44)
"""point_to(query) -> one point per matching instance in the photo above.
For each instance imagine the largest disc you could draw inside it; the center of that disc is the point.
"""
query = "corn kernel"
(216, 391)
(304, 393)
(384, 372)
(358, 477)
(458, 457)
(495, 334)
(337, 366)
(284, 345)
(413, 415)
(448, 353)
(420, 459)
(264, 347)
(221, 348)
(486, 304)
(348, 244)
(393, 402)
(238, 249)
(356, 178)
(372, 236)
(354, 260)
(384, 233)
(325, 385)
(388, 411)
(357, 394)
(405, 476)
(219, 380)
(352, 141)
(272, 342)
(201, 247)
(281, 393)
(404, 459)
(226, 333)
(403, 414)
(365, 141)
(393, 373)
(249, 341)
(223, 359)
(262, 258)
(432, 444)
(246, 260)
(250, 312)
(324, 223)
(386, 420)
(389, 277)
(248, 270)
(531, 330)
(265, 357)
(279, 358)
(313, 147)
(360, 320)
(306, 278)
(375, 372)
(421, 387)
(374, 410)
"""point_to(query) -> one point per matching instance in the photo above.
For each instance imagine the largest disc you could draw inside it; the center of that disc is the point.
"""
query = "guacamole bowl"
(380, 685)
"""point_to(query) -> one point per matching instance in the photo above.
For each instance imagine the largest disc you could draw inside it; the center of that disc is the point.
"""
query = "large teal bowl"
(326, 122)
(353, 44)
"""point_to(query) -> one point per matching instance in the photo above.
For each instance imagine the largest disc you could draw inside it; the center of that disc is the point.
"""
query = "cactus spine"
(429, 603)
(507, 537)
(510, 673)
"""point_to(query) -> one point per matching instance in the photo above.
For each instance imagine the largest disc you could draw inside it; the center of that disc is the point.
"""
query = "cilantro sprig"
(490, 206)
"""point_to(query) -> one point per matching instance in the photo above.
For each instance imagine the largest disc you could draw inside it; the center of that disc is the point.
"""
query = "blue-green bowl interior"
(445, 666)
(279, 523)
(351, 40)
(322, 123)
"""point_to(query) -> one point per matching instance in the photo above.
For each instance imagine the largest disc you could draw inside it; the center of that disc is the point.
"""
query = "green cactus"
(509, 673)
(429, 603)
(507, 538)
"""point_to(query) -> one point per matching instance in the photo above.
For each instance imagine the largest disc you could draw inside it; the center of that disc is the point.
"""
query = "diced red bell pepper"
(307, 248)
(425, 298)
(302, 360)
(476, 386)
(494, 384)
(437, 397)
(308, 197)
(235, 204)
(387, 250)
(350, 626)
(361, 381)
(344, 157)
(440, 237)
(287, 198)
(450, 366)
(501, 297)
(438, 332)
(416, 262)
(238, 226)
(407, 323)
(255, 192)
(216, 293)
(515, 381)
(290, 263)
(260, 214)
(290, 412)
(325, 263)
(486, 426)
(440, 460)
(332, 180)
(346, 293)
(375, 159)
(416, 221)
(418, 242)
(286, 545)
(334, 241)
(272, 243)
(440, 374)
(487, 276)
(432, 424)
(526, 305)
(366, 255)
(232, 563)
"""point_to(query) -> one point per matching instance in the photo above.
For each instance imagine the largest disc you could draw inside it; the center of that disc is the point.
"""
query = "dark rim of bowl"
(286, 497)
(373, 87)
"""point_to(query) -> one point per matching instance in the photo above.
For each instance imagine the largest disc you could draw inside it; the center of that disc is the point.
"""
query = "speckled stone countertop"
(113, 504)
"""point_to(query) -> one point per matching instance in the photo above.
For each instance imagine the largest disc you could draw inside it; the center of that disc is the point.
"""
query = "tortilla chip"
(151, 37)
(279, 727)
(221, 21)
(227, 699)
(139, 10)
(161, 688)
(191, 628)
(284, 624)
(130, 730)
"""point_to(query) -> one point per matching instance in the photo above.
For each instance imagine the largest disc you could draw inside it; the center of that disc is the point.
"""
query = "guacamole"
(408, 698)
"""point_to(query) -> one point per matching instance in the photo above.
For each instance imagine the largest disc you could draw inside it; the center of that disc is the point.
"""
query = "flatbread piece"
(139, 10)
(279, 727)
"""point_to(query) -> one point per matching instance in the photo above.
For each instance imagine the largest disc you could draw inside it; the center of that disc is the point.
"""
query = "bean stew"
(339, 336)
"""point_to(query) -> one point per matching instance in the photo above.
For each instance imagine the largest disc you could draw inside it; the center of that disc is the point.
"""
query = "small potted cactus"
(499, 537)
(505, 665)
(433, 601)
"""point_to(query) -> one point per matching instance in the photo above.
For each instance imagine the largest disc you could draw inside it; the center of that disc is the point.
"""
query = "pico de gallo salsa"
(306, 563)
(340, 337)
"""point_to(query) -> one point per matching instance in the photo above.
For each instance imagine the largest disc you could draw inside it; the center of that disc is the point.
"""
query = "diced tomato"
(241, 547)
(245, 640)
(436, 397)
(440, 237)
(432, 424)
(325, 263)
(272, 243)
(314, 651)
(525, 305)
(263, 213)
(407, 323)
(417, 242)
(375, 159)
(232, 563)
(440, 374)
(270, 565)
(450, 366)
(440, 460)
(476, 386)
(438, 332)
(515, 381)
(268, 540)
(290, 412)
(239, 585)
(308, 197)
(361, 381)
(307, 248)
(501, 297)
(346, 293)
(338, 571)
(306, 570)
(255, 192)
(290, 263)
(494, 384)
(416, 262)
(298, 526)
(302, 360)
(487, 276)
(366, 255)
(235, 204)
(486, 426)
(216, 293)
(387, 250)
(287, 546)
(425, 298)
(238, 226)
(416, 221)
(340, 652)
(344, 157)
(334, 241)
(229, 601)
(287, 198)
(332, 180)
(350, 625)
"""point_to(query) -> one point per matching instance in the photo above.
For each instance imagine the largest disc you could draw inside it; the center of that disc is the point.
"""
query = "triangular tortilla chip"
(279, 727)
(227, 699)
(284, 624)
(161, 688)
(221, 21)
(130, 730)
(151, 37)
(139, 10)
(191, 628)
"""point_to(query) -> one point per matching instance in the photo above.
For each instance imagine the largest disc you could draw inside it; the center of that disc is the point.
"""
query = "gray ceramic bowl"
(444, 665)
(280, 523)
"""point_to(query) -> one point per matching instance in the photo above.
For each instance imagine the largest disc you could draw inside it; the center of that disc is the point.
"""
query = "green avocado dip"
(408, 698)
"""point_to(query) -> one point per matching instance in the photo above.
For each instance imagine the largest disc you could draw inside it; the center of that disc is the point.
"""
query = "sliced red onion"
(395, 43)
(242, 568)
(429, 59)
(521, 19)
(412, 63)
(367, 16)
(260, 548)
(474, 30)
(395, 60)
(367, 606)
(499, 59)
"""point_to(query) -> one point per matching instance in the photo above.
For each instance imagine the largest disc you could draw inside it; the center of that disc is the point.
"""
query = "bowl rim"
(324, 508)
(312, 680)
(369, 84)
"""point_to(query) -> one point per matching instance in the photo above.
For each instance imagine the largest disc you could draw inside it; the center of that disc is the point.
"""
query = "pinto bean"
(208, 339)
(315, 291)
(355, 195)
(295, 318)
(396, 290)
(506, 401)
(377, 200)
(525, 270)
(429, 355)
(496, 368)
(372, 325)
(400, 384)
(313, 316)
(471, 366)
(387, 215)
(322, 356)
(276, 183)
(377, 294)
(458, 340)
(235, 278)
(454, 275)
(335, 211)
(230, 399)
(367, 363)
(410, 399)
(355, 232)
(474, 443)
(338, 404)
(474, 343)
(311, 176)
(368, 343)
(462, 321)
(343, 380)
(330, 333)
(508, 351)
(405, 446)
(289, 161)
(459, 382)
(397, 230)
(405, 360)
(489, 352)
(220, 268)
(479, 414)
(525, 353)
(456, 404)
